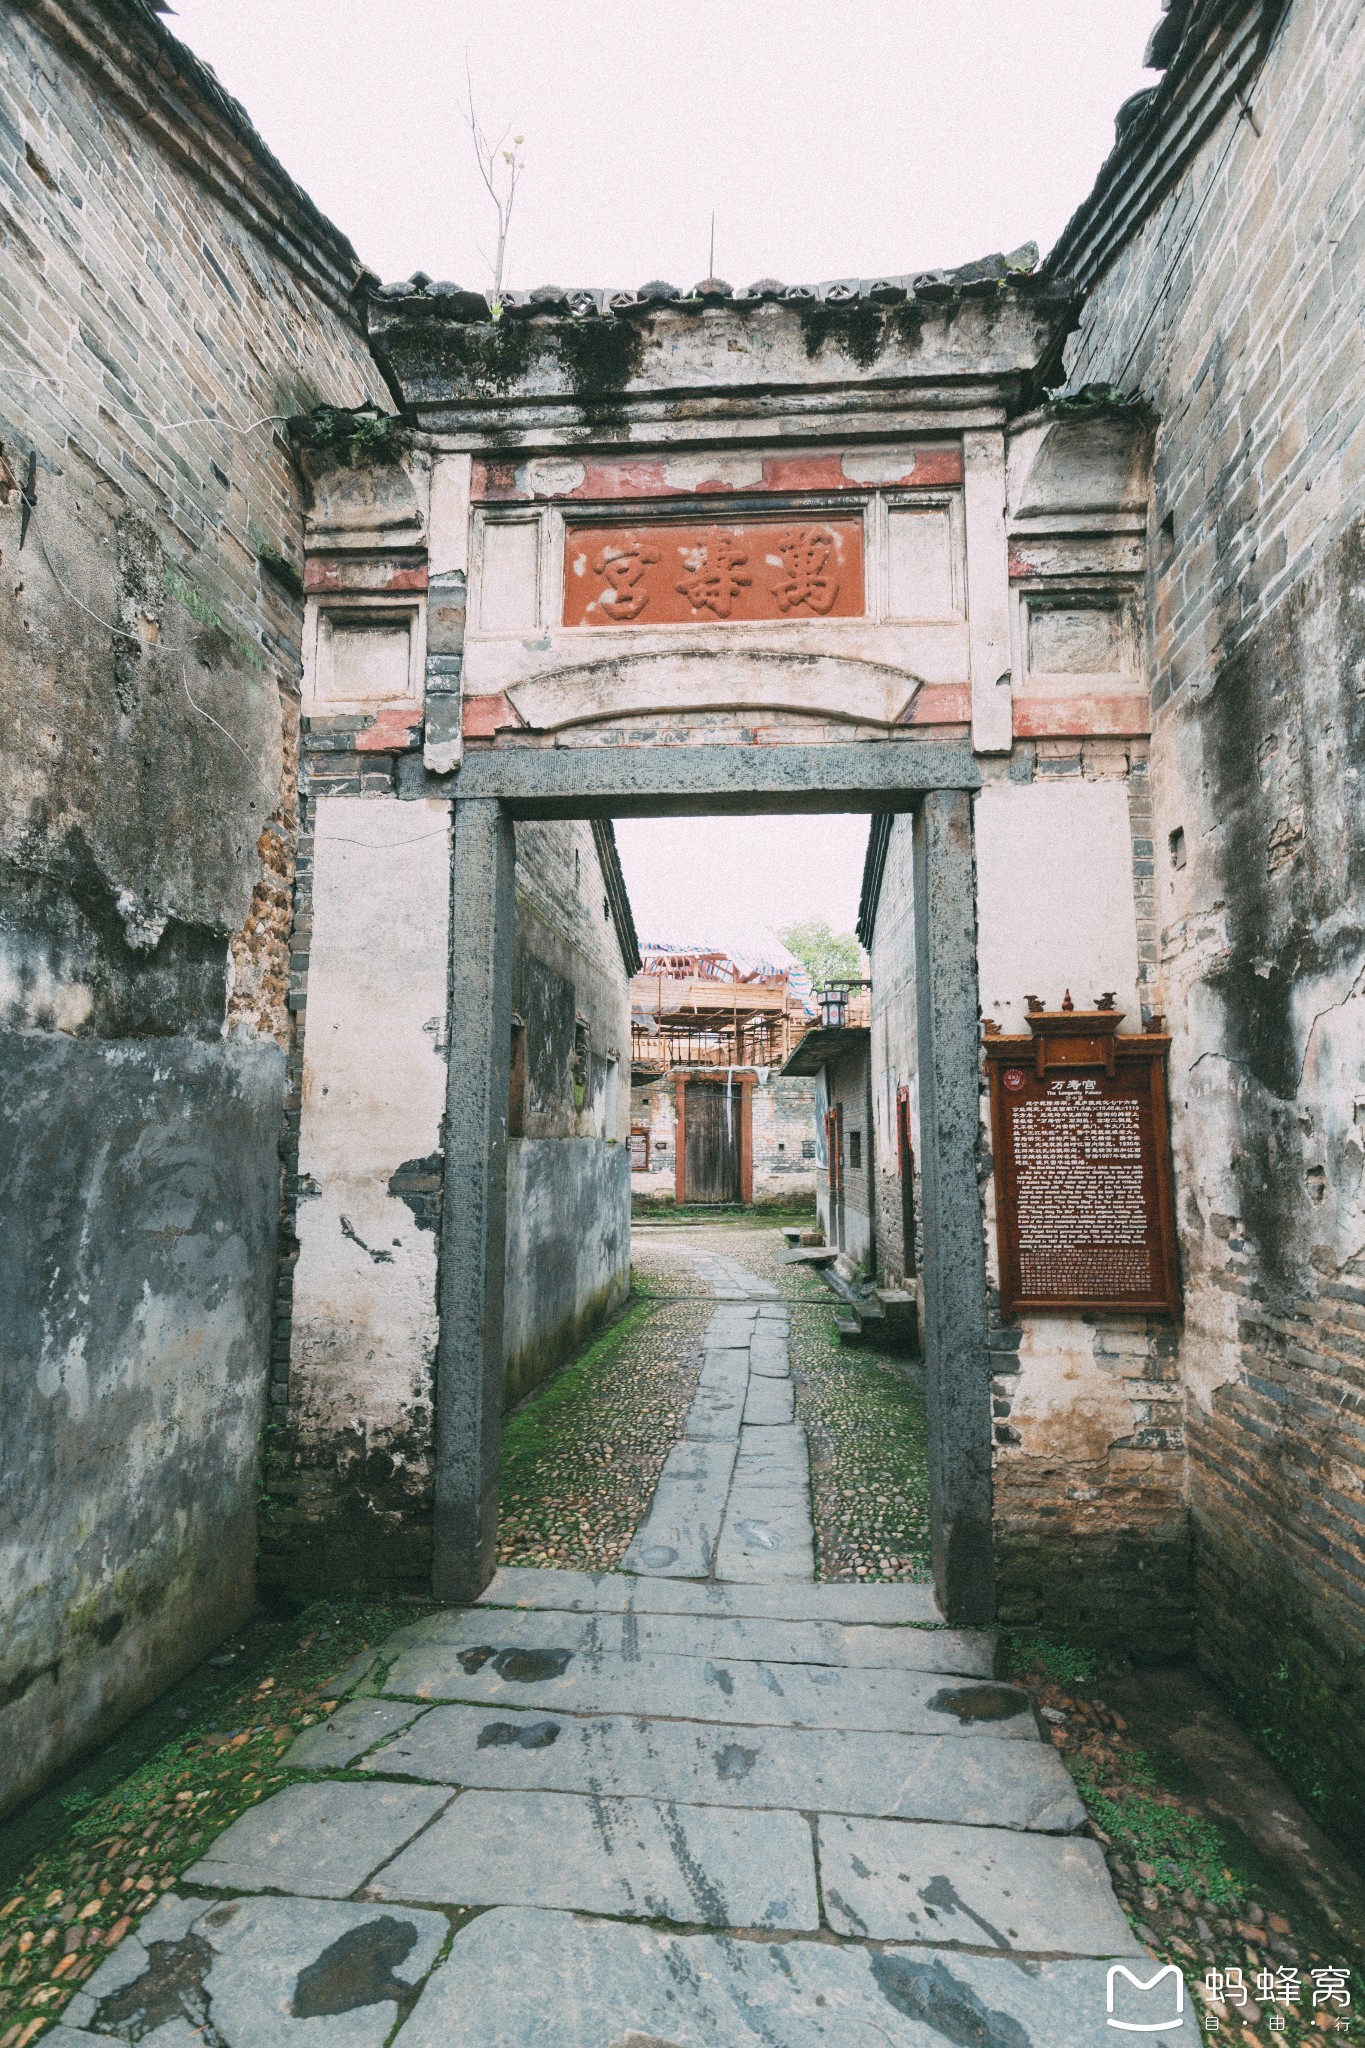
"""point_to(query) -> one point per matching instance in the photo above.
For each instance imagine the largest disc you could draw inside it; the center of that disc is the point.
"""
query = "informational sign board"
(1082, 1166)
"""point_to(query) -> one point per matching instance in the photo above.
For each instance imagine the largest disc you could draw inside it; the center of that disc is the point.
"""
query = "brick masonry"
(167, 297)
(1235, 313)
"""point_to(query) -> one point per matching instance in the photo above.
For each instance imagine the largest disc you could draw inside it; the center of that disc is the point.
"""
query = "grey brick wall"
(1236, 313)
(163, 293)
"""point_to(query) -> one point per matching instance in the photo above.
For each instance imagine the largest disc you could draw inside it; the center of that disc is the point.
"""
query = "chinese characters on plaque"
(669, 574)
(1082, 1163)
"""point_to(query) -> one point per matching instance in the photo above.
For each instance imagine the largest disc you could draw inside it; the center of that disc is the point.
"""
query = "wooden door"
(711, 1171)
(834, 1152)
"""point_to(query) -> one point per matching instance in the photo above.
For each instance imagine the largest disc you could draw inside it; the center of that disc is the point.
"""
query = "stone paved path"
(733, 1499)
(706, 1803)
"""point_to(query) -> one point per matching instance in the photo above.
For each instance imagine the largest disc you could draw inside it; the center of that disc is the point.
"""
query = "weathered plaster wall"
(159, 306)
(894, 1056)
(138, 1219)
(353, 1504)
(568, 1249)
(1089, 1508)
(568, 1170)
(847, 1087)
(1091, 1526)
(1256, 367)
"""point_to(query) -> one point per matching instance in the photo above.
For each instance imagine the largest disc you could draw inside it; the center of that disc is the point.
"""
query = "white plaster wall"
(373, 1095)
(895, 1058)
(1054, 879)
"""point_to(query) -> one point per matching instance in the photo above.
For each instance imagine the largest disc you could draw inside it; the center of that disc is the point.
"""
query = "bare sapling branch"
(500, 167)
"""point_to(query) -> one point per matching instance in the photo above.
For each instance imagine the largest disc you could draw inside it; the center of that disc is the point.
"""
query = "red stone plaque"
(1082, 1165)
(667, 574)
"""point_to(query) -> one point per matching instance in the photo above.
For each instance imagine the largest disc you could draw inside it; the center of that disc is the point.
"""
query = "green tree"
(826, 955)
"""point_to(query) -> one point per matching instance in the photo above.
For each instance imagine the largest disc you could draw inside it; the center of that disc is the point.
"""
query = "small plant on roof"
(356, 437)
(500, 168)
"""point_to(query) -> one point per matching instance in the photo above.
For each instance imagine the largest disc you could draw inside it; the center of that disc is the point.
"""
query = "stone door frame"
(933, 782)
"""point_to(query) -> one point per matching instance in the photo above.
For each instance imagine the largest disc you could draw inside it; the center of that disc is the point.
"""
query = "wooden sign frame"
(1079, 1057)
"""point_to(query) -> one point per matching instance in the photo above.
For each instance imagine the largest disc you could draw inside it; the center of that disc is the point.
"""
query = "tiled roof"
(185, 97)
(1211, 52)
(460, 304)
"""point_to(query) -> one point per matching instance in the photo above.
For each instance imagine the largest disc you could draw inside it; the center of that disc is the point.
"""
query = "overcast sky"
(830, 138)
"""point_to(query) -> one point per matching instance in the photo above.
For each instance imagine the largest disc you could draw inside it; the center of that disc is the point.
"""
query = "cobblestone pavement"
(655, 1811)
(580, 1458)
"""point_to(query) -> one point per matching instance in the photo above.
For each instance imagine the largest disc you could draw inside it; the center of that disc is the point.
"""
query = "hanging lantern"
(833, 1004)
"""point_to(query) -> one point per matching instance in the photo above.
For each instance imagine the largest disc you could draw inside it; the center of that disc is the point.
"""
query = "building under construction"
(711, 1122)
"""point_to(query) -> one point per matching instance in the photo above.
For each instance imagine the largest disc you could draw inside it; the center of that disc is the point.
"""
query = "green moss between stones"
(279, 568)
(600, 355)
(854, 325)
(191, 599)
(484, 356)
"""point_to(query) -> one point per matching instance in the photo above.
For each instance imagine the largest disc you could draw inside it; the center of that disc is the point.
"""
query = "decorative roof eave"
(177, 100)
(988, 343)
(1214, 50)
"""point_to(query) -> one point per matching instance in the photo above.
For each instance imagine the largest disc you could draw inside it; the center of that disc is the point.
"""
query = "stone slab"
(678, 1535)
(258, 1973)
(911, 1777)
(767, 1538)
(714, 1416)
(560, 1679)
(894, 1880)
(323, 1840)
(860, 1646)
(776, 1447)
(616, 1592)
(638, 1858)
(351, 1730)
(770, 1400)
(517, 1978)
(767, 1366)
(727, 1371)
(768, 1535)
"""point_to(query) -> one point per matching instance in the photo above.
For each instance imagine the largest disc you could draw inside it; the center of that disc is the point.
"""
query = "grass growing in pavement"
(1181, 1877)
(127, 1847)
(580, 1457)
(868, 1433)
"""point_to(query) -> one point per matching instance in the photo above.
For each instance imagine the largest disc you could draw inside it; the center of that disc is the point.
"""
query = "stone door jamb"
(933, 782)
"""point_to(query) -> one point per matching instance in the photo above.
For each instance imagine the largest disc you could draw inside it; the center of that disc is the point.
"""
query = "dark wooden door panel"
(711, 1171)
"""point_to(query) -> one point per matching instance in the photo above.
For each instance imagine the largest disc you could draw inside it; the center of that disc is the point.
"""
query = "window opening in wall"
(609, 1101)
(855, 1150)
(1177, 845)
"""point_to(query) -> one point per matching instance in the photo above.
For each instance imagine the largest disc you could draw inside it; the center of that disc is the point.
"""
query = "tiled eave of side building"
(179, 102)
(1211, 52)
